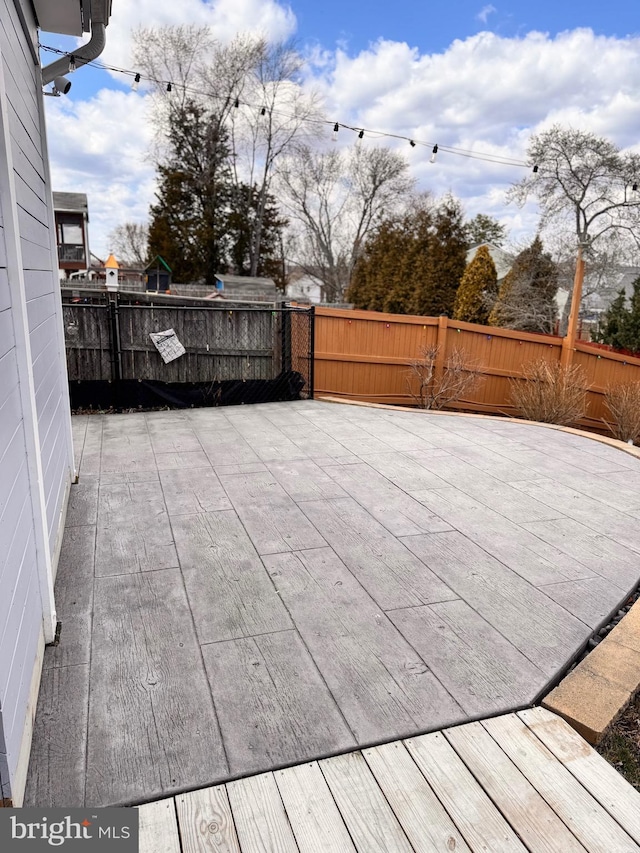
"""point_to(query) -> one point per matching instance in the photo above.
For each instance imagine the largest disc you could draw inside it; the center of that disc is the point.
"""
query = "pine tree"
(485, 229)
(526, 300)
(478, 289)
(443, 265)
(620, 325)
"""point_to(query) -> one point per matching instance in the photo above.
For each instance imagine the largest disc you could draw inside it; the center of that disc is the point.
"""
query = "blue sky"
(465, 74)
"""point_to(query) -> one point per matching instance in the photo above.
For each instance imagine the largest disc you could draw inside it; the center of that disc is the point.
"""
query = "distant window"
(70, 235)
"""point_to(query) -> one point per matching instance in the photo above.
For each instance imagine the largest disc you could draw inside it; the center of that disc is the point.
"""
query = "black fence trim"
(103, 395)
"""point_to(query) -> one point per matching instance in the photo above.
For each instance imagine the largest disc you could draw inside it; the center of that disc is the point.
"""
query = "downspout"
(86, 53)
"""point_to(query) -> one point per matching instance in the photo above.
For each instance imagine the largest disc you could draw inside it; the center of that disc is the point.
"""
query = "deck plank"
(422, 816)
(312, 812)
(524, 553)
(58, 750)
(144, 712)
(477, 818)
(526, 811)
(190, 490)
(261, 821)
(609, 787)
(601, 553)
(389, 572)
(206, 823)
(596, 830)
(532, 622)
(481, 669)
(303, 480)
(159, 828)
(272, 705)
(229, 590)
(592, 600)
(401, 514)
(372, 824)
(134, 534)
(380, 683)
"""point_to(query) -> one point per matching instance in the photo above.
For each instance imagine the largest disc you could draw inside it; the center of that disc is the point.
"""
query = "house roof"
(154, 265)
(71, 203)
(245, 279)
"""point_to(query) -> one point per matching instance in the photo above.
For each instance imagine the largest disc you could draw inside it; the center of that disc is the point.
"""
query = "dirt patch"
(621, 744)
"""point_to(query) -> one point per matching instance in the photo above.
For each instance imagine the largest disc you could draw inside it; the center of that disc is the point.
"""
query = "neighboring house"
(503, 260)
(36, 452)
(303, 288)
(72, 232)
(246, 288)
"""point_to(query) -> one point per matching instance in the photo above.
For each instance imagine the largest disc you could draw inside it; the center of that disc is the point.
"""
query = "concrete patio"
(248, 588)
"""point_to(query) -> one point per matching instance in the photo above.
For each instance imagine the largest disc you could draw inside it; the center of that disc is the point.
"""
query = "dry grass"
(459, 377)
(623, 401)
(550, 393)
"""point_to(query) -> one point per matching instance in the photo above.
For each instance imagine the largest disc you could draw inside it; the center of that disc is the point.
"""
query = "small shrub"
(459, 377)
(550, 393)
(623, 401)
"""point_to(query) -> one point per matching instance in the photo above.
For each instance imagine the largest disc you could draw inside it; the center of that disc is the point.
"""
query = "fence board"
(366, 356)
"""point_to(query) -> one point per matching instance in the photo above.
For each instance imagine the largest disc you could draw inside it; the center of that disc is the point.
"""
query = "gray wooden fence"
(107, 339)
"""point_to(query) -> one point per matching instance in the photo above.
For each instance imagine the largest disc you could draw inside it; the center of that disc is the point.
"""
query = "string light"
(434, 154)
(336, 128)
(634, 188)
(136, 83)
(460, 152)
(263, 111)
(236, 103)
(72, 63)
(361, 134)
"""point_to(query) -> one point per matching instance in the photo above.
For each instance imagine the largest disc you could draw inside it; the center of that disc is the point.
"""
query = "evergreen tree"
(443, 266)
(244, 203)
(526, 300)
(478, 289)
(485, 229)
(188, 222)
(620, 325)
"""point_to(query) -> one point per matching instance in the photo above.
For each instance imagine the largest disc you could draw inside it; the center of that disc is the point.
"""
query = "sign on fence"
(168, 345)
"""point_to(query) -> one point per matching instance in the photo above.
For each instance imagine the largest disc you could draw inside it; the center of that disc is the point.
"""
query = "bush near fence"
(365, 355)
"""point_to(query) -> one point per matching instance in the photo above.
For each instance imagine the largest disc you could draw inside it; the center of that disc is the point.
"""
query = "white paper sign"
(167, 345)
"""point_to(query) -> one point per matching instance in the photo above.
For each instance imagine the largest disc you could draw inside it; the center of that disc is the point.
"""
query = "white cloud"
(485, 93)
(484, 13)
(100, 147)
(224, 17)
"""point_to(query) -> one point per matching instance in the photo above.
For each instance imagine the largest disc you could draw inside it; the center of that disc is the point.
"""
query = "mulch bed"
(621, 744)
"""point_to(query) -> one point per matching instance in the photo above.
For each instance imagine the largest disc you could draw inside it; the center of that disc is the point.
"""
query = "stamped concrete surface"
(252, 587)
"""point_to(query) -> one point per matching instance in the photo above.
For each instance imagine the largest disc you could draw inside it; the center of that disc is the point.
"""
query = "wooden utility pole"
(569, 340)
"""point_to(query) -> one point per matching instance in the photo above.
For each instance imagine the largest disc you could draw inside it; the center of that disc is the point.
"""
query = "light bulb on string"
(263, 111)
(72, 63)
(361, 134)
(236, 103)
(434, 154)
(168, 87)
(412, 143)
(535, 169)
(336, 128)
(136, 83)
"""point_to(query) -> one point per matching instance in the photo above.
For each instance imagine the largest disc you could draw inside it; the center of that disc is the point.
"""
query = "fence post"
(569, 340)
(286, 338)
(312, 349)
(441, 343)
(116, 349)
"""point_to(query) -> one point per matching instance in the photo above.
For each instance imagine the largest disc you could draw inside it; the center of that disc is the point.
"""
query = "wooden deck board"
(489, 787)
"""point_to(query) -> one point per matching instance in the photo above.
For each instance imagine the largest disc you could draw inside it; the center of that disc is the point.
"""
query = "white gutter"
(86, 53)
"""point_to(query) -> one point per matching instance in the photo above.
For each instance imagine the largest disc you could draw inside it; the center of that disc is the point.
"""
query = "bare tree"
(129, 242)
(585, 186)
(250, 88)
(334, 199)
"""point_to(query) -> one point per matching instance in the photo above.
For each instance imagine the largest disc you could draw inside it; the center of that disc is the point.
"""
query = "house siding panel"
(20, 594)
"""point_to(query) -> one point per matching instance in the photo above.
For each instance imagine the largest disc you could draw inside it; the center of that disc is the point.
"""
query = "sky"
(472, 75)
